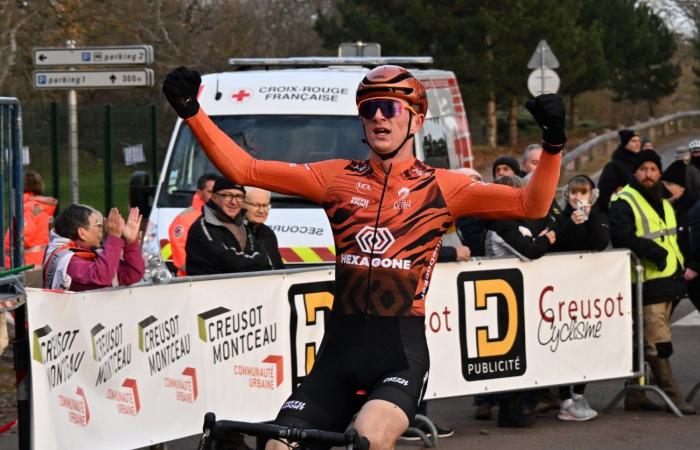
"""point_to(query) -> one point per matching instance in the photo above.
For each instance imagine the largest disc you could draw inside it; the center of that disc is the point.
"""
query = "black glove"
(180, 88)
(550, 114)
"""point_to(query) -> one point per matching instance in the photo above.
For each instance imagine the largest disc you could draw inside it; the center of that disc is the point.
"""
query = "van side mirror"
(140, 192)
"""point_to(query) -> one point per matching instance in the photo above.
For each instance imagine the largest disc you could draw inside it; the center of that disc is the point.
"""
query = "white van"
(298, 110)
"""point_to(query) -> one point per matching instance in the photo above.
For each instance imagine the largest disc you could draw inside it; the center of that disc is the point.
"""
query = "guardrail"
(606, 143)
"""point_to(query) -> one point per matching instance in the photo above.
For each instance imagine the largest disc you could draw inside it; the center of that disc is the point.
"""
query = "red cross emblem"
(241, 96)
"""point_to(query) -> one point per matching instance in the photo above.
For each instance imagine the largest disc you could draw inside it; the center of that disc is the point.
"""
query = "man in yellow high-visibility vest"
(643, 221)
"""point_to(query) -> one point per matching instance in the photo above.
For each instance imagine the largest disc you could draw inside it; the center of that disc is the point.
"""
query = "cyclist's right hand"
(181, 87)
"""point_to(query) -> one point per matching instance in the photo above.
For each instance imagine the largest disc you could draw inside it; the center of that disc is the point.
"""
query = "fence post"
(154, 145)
(54, 152)
(109, 200)
(16, 186)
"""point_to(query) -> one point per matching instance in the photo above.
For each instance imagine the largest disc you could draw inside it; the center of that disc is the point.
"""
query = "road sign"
(93, 56)
(92, 79)
(543, 81)
(543, 56)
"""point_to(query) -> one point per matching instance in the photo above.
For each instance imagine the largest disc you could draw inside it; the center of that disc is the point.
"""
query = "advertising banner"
(130, 367)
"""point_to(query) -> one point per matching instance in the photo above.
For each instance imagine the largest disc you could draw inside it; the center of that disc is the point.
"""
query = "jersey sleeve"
(304, 180)
(466, 197)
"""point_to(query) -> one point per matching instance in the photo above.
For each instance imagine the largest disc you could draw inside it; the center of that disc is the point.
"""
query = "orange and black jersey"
(387, 225)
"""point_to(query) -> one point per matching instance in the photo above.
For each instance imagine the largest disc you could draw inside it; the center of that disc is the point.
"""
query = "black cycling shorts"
(387, 357)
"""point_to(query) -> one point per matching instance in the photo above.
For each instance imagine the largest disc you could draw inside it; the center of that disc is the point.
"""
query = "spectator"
(74, 259)
(258, 210)
(693, 261)
(219, 241)
(38, 216)
(647, 144)
(505, 166)
(692, 175)
(618, 172)
(177, 232)
(512, 237)
(643, 221)
(531, 159)
(682, 199)
(580, 227)
(506, 238)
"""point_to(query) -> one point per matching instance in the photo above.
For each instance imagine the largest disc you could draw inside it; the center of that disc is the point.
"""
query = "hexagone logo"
(383, 239)
(491, 324)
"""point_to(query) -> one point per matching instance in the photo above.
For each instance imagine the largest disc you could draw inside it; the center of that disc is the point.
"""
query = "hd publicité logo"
(491, 324)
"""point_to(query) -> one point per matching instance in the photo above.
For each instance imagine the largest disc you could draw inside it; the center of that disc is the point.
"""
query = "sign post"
(543, 79)
(98, 77)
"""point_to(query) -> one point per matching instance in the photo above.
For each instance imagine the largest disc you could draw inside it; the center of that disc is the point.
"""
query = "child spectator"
(581, 226)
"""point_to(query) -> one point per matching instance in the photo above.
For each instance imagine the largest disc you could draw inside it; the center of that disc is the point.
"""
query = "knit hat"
(644, 156)
(222, 183)
(625, 136)
(675, 173)
(507, 161)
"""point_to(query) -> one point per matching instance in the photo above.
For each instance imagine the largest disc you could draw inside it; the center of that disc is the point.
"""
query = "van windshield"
(298, 138)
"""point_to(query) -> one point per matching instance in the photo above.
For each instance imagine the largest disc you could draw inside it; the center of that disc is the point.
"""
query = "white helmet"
(694, 145)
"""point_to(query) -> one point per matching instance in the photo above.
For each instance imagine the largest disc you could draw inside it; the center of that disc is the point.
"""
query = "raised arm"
(305, 180)
(465, 197)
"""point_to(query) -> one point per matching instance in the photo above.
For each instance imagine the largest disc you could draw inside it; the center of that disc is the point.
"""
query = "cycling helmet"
(694, 145)
(393, 82)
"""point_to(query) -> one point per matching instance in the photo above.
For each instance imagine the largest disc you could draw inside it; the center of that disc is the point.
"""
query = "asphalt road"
(614, 430)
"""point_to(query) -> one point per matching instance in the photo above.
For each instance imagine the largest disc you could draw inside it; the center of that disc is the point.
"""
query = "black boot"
(510, 414)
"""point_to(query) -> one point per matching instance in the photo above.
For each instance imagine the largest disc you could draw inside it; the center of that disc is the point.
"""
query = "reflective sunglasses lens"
(389, 108)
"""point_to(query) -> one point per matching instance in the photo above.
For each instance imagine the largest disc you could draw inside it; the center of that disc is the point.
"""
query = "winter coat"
(267, 236)
(72, 266)
(212, 247)
(591, 235)
(512, 237)
(38, 215)
(622, 235)
(616, 174)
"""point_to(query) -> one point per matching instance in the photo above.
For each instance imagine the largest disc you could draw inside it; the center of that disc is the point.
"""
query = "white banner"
(131, 367)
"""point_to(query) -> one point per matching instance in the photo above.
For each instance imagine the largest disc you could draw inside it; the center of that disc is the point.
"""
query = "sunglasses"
(389, 107)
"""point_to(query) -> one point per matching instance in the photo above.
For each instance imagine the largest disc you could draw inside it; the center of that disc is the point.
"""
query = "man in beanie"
(692, 180)
(644, 222)
(618, 172)
(505, 166)
(219, 241)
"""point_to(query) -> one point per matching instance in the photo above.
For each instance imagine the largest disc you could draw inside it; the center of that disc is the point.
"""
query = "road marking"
(691, 320)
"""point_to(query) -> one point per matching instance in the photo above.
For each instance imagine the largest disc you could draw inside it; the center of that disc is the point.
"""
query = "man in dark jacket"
(640, 204)
(257, 202)
(618, 172)
(219, 241)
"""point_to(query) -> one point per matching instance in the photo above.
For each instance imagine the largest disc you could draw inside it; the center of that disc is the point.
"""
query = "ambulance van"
(298, 110)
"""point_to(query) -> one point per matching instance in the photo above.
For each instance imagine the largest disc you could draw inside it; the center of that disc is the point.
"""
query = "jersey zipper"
(374, 239)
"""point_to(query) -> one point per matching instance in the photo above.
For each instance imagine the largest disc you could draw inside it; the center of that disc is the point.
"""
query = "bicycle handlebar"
(219, 429)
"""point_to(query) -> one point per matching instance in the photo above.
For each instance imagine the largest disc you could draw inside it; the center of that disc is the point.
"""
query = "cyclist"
(388, 214)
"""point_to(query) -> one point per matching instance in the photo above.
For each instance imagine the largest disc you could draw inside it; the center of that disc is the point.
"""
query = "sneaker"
(483, 412)
(576, 410)
(411, 435)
